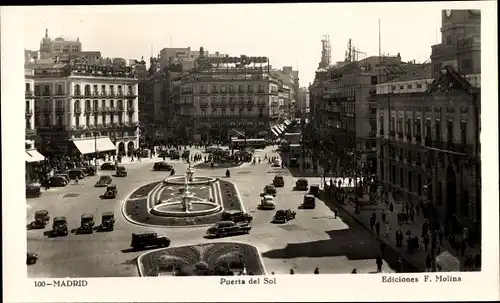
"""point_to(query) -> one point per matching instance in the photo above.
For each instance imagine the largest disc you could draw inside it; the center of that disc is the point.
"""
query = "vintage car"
(309, 202)
(76, 174)
(58, 180)
(175, 155)
(314, 189)
(279, 181)
(276, 163)
(89, 170)
(107, 221)
(267, 202)
(121, 171)
(41, 219)
(103, 181)
(270, 190)
(60, 226)
(294, 162)
(144, 240)
(31, 258)
(302, 184)
(33, 190)
(283, 216)
(110, 192)
(86, 224)
(236, 216)
(65, 176)
(108, 166)
(162, 166)
(229, 228)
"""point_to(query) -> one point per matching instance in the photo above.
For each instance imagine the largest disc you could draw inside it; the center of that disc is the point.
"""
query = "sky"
(288, 34)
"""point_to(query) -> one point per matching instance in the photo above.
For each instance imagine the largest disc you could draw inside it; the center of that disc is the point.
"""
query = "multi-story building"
(30, 131)
(219, 103)
(303, 100)
(284, 93)
(83, 108)
(59, 46)
(428, 127)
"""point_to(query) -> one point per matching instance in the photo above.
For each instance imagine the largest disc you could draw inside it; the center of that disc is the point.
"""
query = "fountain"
(187, 204)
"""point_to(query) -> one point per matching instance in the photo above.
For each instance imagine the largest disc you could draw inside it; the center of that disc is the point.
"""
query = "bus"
(242, 143)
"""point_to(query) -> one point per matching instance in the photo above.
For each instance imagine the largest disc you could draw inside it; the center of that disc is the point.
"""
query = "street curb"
(259, 255)
(386, 241)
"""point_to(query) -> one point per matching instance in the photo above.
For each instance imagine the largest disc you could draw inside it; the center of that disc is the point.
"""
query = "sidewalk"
(417, 259)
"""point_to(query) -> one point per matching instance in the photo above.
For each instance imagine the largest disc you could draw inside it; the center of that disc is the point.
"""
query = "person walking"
(387, 229)
(428, 263)
(316, 271)
(379, 262)
(426, 242)
(384, 216)
(377, 228)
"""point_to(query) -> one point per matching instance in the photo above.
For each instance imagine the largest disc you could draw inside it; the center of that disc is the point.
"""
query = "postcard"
(250, 152)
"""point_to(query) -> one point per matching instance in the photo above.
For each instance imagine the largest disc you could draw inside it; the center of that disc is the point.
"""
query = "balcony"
(103, 93)
(28, 93)
(261, 104)
(46, 94)
(260, 91)
(77, 93)
(95, 109)
(59, 109)
(428, 142)
(130, 109)
(437, 144)
(131, 95)
(111, 94)
(203, 92)
(60, 93)
(37, 110)
(78, 110)
(47, 110)
(88, 110)
(120, 93)
(121, 108)
(241, 91)
(29, 112)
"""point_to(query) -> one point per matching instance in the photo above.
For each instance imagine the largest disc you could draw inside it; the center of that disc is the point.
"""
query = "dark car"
(58, 181)
(309, 201)
(121, 171)
(236, 216)
(104, 181)
(162, 166)
(302, 184)
(76, 174)
(33, 190)
(60, 226)
(270, 190)
(31, 258)
(279, 181)
(229, 228)
(41, 219)
(314, 190)
(86, 224)
(283, 216)
(89, 170)
(108, 221)
(111, 192)
(108, 166)
(144, 240)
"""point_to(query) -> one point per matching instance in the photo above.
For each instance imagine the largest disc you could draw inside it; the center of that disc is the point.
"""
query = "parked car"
(86, 224)
(267, 202)
(314, 190)
(309, 202)
(33, 190)
(108, 166)
(76, 174)
(103, 181)
(107, 221)
(31, 258)
(89, 170)
(41, 219)
(60, 226)
(278, 181)
(121, 171)
(65, 176)
(283, 216)
(144, 240)
(236, 216)
(229, 228)
(302, 184)
(162, 166)
(58, 180)
(270, 190)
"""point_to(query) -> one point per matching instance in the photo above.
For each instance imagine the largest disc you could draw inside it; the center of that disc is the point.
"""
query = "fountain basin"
(181, 180)
(199, 207)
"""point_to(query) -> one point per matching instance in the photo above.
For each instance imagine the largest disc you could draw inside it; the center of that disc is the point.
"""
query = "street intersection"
(314, 239)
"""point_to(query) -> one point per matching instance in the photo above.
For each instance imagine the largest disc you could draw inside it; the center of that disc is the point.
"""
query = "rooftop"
(414, 72)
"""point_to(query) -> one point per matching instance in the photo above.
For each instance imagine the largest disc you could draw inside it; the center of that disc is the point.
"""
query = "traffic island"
(223, 258)
(158, 204)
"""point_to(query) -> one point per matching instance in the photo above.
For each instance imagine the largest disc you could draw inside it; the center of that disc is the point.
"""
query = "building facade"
(217, 104)
(59, 46)
(82, 102)
(30, 131)
(428, 145)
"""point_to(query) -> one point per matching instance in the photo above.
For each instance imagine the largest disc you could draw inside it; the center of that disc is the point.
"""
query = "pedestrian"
(412, 215)
(316, 271)
(372, 224)
(391, 207)
(465, 234)
(379, 262)
(387, 229)
(426, 242)
(335, 213)
(428, 263)
(382, 248)
(354, 271)
(384, 216)
(76, 180)
(399, 238)
(377, 228)
(292, 271)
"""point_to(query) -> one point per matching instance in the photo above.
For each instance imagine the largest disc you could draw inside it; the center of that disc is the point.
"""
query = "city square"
(183, 164)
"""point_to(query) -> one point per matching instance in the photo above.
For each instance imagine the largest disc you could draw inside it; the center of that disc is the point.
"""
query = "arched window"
(59, 120)
(95, 104)
(77, 90)
(87, 90)
(77, 104)
(120, 104)
(87, 104)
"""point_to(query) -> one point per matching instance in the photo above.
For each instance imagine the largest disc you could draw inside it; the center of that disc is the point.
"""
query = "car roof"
(144, 234)
(121, 167)
(268, 197)
(112, 185)
(280, 211)
(233, 211)
(278, 176)
(302, 179)
(309, 196)
(269, 185)
(225, 223)
(42, 211)
(105, 176)
(59, 218)
(108, 213)
(313, 185)
(87, 216)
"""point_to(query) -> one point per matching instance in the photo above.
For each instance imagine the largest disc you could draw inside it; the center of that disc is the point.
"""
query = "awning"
(33, 155)
(275, 132)
(282, 127)
(277, 129)
(287, 122)
(89, 146)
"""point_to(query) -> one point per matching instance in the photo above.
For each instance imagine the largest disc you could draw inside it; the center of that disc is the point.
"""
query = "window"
(120, 119)
(438, 129)
(59, 121)
(103, 103)
(202, 89)
(120, 90)
(130, 90)
(419, 85)
(214, 99)
(130, 118)
(59, 104)
(448, 40)
(240, 89)
(28, 87)
(27, 106)
(428, 128)
(87, 104)
(46, 90)
(418, 126)
(401, 87)
(250, 88)
(95, 119)
(77, 120)
(95, 104)
(103, 89)
(60, 89)
(449, 131)
(463, 132)
(120, 105)
(231, 88)
(410, 86)
(214, 88)
(408, 126)
(393, 87)
(112, 103)
(77, 90)
(87, 90)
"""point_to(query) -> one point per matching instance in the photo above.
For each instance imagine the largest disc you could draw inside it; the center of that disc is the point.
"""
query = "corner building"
(222, 103)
